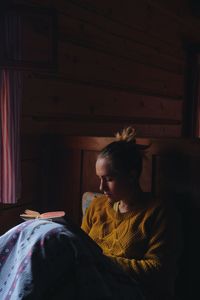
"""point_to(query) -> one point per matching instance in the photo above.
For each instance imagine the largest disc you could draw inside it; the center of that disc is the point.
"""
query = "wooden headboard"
(170, 169)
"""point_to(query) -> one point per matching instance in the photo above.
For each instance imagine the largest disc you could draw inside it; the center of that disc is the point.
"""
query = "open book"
(31, 214)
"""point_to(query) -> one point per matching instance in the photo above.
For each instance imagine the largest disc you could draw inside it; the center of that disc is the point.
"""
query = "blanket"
(41, 259)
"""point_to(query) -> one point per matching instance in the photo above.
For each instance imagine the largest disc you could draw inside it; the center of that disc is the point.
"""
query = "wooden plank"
(76, 30)
(176, 8)
(70, 191)
(96, 67)
(31, 182)
(94, 144)
(36, 38)
(90, 182)
(118, 19)
(158, 146)
(79, 99)
(30, 146)
(31, 126)
(87, 127)
(61, 179)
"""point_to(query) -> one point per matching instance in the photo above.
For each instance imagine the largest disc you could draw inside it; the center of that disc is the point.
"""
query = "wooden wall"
(117, 63)
(112, 63)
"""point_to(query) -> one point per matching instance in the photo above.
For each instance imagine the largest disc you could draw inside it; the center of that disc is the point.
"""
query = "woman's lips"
(107, 194)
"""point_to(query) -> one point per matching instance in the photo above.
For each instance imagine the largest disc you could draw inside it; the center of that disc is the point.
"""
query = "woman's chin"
(109, 196)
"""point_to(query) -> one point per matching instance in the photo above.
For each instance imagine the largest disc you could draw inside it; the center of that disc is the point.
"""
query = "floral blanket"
(41, 259)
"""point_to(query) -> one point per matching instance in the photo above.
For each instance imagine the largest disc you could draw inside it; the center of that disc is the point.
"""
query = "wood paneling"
(78, 125)
(61, 178)
(112, 40)
(90, 182)
(117, 64)
(39, 27)
(30, 146)
(132, 20)
(60, 98)
(96, 67)
(31, 181)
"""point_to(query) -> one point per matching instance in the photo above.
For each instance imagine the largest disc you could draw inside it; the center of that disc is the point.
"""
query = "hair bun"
(128, 134)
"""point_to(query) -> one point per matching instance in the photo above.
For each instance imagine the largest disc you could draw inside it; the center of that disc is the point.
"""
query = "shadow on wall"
(177, 179)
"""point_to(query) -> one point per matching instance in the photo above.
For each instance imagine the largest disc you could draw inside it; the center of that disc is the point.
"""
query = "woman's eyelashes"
(106, 178)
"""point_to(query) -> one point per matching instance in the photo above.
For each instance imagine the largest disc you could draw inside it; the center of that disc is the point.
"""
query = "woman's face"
(115, 187)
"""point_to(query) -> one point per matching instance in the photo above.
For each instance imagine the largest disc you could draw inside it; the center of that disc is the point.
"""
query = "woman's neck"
(129, 205)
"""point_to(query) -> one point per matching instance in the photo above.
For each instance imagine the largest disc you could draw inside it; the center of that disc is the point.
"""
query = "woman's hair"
(124, 154)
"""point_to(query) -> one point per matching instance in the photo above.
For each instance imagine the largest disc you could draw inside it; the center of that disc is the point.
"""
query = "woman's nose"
(102, 185)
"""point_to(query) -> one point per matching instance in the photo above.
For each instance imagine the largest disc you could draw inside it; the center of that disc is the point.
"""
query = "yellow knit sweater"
(145, 243)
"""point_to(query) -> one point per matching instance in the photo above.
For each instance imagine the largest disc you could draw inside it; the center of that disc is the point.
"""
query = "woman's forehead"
(103, 166)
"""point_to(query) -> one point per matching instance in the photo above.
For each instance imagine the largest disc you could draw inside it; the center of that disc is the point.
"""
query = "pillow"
(87, 198)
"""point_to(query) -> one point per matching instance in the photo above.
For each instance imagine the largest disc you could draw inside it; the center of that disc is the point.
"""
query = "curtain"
(10, 111)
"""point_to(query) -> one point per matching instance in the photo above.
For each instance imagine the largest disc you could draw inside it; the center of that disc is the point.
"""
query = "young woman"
(135, 231)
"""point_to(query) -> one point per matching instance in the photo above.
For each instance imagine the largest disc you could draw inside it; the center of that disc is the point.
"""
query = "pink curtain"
(10, 110)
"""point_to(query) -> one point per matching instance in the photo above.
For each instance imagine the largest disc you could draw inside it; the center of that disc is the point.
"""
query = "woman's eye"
(108, 179)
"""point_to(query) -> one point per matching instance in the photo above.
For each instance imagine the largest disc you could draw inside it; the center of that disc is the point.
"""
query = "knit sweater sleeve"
(162, 250)
(87, 218)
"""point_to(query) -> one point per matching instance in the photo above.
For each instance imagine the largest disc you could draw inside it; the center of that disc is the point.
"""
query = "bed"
(45, 260)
